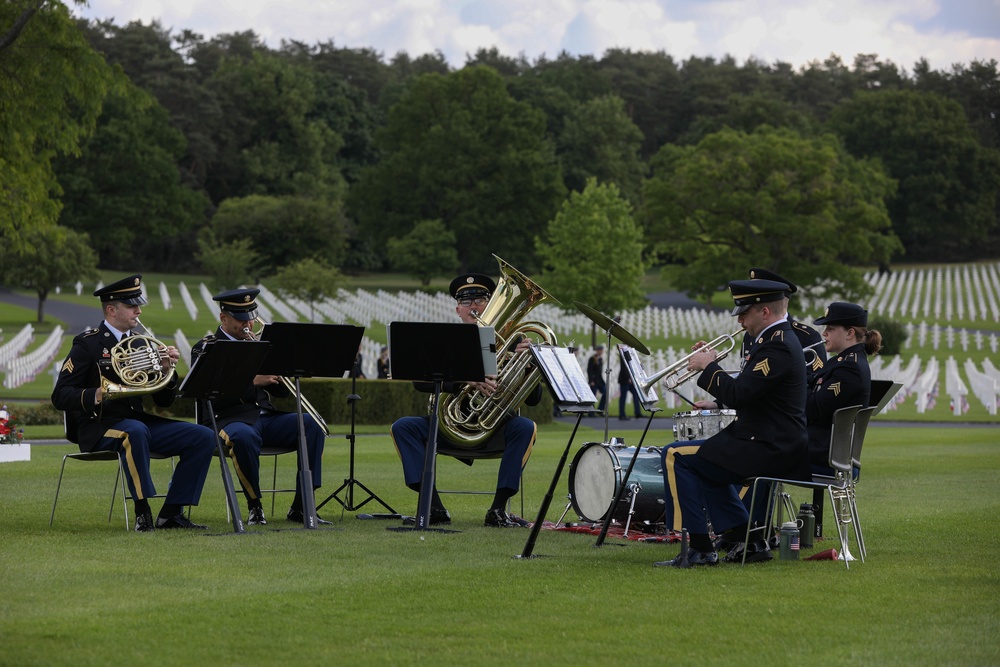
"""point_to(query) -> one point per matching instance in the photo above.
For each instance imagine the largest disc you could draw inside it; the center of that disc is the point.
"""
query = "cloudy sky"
(793, 31)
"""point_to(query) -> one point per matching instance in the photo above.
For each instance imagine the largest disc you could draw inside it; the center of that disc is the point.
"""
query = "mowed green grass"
(85, 592)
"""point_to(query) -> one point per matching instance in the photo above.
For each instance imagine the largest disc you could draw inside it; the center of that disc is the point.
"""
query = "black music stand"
(302, 349)
(438, 353)
(225, 368)
(351, 482)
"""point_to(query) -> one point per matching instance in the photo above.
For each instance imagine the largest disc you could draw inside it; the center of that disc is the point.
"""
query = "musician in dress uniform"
(99, 420)
(846, 377)
(809, 337)
(511, 442)
(768, 436)
(844, 380)
(250, 422)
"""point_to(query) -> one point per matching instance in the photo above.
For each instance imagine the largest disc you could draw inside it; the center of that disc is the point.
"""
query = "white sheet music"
(630, 357)
(564, 375)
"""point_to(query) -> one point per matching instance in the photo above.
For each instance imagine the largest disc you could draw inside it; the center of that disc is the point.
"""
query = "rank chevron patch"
(68, 366)
(763, 366)
(835, 388)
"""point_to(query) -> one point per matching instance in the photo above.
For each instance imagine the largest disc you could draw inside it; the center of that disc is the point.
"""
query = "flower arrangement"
(10, 434)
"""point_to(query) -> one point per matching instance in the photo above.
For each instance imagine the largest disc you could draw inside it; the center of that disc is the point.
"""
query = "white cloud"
(771, 30)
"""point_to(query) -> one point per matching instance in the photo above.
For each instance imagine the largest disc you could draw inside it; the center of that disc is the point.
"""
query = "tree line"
(169, 151)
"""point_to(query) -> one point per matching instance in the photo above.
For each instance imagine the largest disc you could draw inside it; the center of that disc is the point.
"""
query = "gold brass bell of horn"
(141, 364)
(468, 417)
(674, 375)
(253, 331)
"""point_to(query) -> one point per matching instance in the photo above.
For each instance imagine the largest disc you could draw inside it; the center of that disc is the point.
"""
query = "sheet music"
(564, 375)
(636, 370)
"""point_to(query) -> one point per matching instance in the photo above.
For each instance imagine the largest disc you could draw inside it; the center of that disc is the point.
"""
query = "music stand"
(438, 353)
(302, 349)
(225, 368)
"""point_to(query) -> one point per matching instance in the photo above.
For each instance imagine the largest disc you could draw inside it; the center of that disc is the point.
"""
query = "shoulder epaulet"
(778, 334)
(90, 332)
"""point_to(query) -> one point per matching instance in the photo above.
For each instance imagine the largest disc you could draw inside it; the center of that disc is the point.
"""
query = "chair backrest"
(841, 437)
(860, 428)
(882, 392)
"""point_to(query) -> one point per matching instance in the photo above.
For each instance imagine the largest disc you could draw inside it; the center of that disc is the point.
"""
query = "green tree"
(52, 85)
(802, 207)
(946, 203)
(459, 149)
(592, 251)
(52, 256)
(282, 230)
(599, 140)
(125, 191)
(230, 264)
(427, 251)
(274, 143)
(308, 280)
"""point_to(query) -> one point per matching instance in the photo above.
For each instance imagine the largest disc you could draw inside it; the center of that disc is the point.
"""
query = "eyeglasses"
(478, 301)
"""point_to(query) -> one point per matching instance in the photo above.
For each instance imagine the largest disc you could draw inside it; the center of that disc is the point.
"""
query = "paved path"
(74, 316)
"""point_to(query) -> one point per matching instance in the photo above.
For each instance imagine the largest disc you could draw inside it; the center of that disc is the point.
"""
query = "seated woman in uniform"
(845, 378)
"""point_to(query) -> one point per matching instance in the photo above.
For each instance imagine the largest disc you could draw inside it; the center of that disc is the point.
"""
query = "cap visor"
(739, 310)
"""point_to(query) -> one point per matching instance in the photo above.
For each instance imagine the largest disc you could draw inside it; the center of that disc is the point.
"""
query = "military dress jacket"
(248, 407)
(76, 390)
(809, 338)
(768, 436)
(843, 381)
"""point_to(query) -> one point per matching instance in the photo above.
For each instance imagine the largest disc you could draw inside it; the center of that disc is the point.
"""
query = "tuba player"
(511, 442)
(116, 421)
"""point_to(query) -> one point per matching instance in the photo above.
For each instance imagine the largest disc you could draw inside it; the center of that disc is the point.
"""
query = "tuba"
(142, 365)
(468, 417)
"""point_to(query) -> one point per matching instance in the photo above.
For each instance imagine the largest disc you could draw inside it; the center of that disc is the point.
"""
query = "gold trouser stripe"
(236, 464)
(531, 445)
(686, 450)
(133, 472)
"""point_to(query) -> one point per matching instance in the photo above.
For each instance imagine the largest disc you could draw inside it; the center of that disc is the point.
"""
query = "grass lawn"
(85, 592)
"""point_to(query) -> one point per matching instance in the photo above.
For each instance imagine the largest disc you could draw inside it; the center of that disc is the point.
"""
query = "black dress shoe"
(256, 517)
(695, 557)
(144, 523)
(297, 516)
(439, 515)
(178, 521)
(500, 519)
(758, 552)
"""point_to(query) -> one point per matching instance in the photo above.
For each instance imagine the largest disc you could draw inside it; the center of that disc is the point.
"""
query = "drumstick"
(686, 399)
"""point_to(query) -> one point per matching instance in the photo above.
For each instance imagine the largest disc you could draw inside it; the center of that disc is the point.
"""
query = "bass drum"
(701, 424)
(596, 475)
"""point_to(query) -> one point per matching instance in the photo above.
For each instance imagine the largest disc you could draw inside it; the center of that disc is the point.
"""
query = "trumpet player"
(511, 443)
(250, 422)
(105, 416)
(809, 337)
(768, 436)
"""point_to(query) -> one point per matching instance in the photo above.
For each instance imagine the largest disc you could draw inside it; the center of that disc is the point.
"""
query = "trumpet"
(253, 331)
(674, 375)
(141, 363)
(810, 349)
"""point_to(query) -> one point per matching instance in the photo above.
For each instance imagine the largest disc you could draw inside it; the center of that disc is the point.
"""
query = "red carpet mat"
(640, 533)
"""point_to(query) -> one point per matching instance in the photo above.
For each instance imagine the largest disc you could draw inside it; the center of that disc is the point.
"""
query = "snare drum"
(701, 424)
(596, 475)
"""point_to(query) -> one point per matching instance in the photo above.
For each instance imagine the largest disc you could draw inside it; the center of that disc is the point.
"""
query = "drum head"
(593, 480)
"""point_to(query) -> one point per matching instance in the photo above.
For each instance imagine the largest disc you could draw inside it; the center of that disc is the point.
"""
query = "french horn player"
(100, 388)
(480, 420)
(251, 421)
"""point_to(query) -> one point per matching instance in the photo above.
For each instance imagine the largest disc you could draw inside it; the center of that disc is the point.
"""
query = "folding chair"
(119, 478)
(837, 487)
(857, 441)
